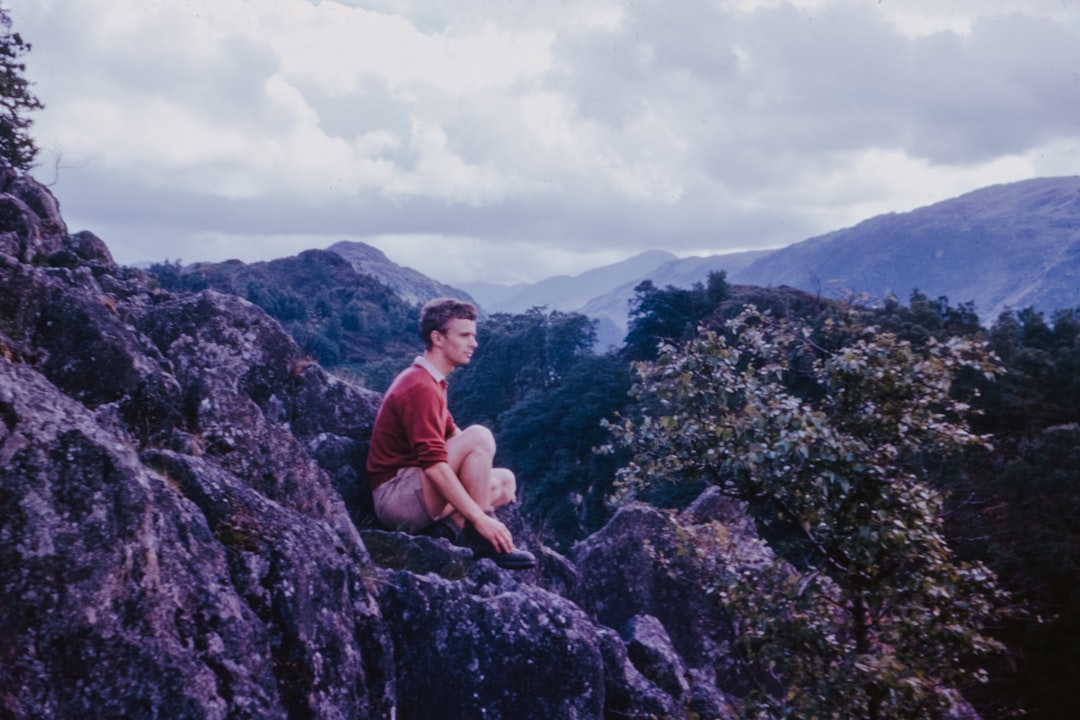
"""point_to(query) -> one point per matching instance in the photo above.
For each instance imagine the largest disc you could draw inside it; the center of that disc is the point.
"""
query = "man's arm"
(448, 485)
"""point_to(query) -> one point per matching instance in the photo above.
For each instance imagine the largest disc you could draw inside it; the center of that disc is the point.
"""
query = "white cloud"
(517, 139)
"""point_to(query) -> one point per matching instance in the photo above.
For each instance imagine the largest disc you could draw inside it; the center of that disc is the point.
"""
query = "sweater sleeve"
(427, 423)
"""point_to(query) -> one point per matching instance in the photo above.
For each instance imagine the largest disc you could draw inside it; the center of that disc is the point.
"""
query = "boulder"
(31, 228)
(116, 600)
(650, 650)
(490, 646)
(650, 563)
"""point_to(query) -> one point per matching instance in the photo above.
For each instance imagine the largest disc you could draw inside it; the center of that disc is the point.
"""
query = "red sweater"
(412, 426)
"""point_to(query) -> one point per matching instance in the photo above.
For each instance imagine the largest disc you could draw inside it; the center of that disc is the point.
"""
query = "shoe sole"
(508, 563)
(515, 565)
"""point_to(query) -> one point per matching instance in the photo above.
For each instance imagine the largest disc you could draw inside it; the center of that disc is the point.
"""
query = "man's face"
(458, 341)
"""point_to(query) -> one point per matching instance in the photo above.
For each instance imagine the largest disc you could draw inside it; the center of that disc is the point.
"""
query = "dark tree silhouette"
(16, 100)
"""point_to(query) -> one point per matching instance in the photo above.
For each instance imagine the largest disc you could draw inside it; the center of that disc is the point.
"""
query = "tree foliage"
(671, 313)
(345, 320)
(1042, 387)
(868, 613)
(17, 147)
(551, 436)
(518, 355)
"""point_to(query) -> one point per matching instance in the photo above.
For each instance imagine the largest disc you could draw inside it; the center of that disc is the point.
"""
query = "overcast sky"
(509, 141)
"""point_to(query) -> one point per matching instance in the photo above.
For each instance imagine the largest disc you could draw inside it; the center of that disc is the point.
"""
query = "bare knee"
(478, 438)
(503, 487)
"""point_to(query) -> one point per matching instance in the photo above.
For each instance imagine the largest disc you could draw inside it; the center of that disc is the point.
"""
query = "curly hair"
(437, 314)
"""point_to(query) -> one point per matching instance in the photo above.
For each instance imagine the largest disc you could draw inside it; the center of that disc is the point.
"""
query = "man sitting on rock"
(427, 475)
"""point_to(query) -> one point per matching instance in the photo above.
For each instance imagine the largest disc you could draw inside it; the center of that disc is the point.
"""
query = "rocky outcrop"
(410, 285)
(183, 533)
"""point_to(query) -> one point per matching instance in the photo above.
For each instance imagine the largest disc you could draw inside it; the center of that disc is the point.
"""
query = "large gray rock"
(490, 646)
(115, 599)
(646, 563)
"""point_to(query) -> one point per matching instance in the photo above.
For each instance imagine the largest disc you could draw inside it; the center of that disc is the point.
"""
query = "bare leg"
(471, 454)
(503, 487)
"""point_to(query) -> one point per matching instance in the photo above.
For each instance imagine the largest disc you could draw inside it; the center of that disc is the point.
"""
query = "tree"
(865, 613)
(670, 314)
(16, 145)
(517, 355)
(549, 439)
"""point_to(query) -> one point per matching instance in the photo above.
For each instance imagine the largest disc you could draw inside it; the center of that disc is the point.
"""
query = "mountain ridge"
(964, 248)
(565, 292)
(1003, 246)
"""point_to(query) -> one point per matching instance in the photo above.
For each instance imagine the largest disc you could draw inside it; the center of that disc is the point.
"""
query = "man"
(426, 474)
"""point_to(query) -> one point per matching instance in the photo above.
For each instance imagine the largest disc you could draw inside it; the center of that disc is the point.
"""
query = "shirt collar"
(432, 370)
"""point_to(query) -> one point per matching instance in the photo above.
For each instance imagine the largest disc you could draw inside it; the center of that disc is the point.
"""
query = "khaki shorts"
(399, 502)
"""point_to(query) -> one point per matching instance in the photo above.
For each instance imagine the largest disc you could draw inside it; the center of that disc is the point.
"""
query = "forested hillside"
(341, 318)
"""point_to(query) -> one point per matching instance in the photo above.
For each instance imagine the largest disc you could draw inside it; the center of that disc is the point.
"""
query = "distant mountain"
(491, 295)
(614, 305)
(604, 293)
(1005, 246)
(567, 293)
(411, 286)
(1014, 245)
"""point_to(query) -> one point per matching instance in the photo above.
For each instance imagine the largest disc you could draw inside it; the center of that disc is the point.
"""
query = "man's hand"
(495, 532)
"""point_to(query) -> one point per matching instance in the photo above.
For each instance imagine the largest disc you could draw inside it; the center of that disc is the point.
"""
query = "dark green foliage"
(16, 146)
(517, 355)
(551, 437)
(1042, 387)
(923, 318)
(1017, 509)
(869, 612)
(671, 314)
(1036, 547)
(338, 317)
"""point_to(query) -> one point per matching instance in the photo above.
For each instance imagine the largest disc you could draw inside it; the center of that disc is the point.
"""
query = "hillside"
(410, 285)
(338, 315)
(1014, 245)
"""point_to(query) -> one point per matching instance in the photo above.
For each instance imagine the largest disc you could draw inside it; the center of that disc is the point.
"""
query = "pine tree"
(17, 148)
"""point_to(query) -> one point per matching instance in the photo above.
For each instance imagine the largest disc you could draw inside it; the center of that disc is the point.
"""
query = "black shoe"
(513, 560)
(443, 529)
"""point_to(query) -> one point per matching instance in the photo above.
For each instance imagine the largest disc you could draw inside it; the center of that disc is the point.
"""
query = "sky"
(511, 140)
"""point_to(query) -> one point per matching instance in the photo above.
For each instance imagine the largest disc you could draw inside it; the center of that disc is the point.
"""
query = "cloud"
(535, 139)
